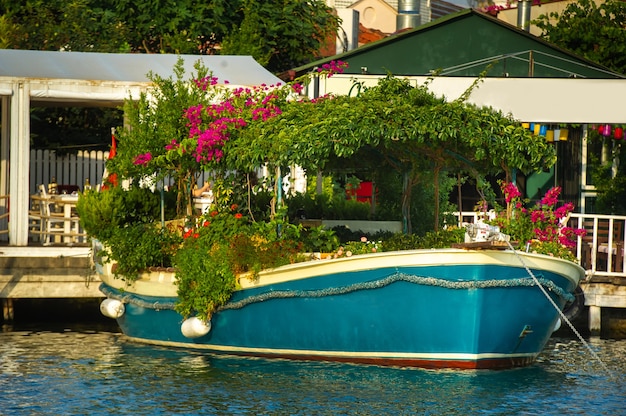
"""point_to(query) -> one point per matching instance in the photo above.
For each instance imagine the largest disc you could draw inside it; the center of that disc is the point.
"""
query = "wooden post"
(7, 310)
(595, 320)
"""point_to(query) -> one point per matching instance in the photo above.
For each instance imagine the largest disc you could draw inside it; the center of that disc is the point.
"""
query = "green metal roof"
(466, 44)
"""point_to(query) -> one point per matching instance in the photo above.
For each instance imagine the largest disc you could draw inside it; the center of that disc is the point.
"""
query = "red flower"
(234, 207)
(214, 213)
(206, 224)
(238, 215)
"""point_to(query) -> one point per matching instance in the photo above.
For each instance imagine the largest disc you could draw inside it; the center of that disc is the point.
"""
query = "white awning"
(544, 100)
(126, 67)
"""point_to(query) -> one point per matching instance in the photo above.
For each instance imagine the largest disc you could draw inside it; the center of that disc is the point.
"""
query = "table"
(68, 202)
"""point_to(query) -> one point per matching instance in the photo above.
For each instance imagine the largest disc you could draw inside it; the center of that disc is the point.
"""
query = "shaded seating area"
(68, 189)
(53, 219)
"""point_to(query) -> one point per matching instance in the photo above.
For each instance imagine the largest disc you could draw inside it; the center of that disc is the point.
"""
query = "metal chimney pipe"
(408, 14)
(523, 14)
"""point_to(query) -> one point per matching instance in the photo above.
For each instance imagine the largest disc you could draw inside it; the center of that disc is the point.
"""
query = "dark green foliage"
(72, 25)
(318, 239)
(439, 239)
(281, 34)
(203, 283)
(139, 246)
(595, 31)
(126, 223)
(609, 179)
(224, 245)
(345, 235)
(67, 129)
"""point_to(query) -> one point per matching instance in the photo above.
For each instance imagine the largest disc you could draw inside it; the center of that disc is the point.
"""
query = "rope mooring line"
(561, 314)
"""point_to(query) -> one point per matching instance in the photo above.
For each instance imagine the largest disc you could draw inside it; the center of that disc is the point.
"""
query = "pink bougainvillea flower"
(511, 192)
(551, 197)
(143, 159)
(564, 210)
(333, 67)
(173, 145)
(536, 216)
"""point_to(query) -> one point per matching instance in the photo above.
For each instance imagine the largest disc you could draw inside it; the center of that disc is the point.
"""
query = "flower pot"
(563, 135)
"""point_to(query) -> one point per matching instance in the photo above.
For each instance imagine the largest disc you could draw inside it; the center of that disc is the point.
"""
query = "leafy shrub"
(222, 245)
(319, 239)
(126, 223)
(138, 246)
(433, 239)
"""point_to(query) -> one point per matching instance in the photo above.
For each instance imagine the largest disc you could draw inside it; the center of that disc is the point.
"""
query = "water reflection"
(77, 371)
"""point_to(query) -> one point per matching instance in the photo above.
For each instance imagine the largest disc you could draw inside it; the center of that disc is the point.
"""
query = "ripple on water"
(99, 373)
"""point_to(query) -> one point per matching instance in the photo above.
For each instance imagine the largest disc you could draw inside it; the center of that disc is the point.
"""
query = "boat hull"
(426, 308)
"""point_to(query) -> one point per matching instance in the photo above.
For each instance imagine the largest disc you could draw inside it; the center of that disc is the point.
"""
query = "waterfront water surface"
(77, 369)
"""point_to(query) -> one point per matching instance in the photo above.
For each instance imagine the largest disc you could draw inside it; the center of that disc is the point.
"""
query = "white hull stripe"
(337, 354)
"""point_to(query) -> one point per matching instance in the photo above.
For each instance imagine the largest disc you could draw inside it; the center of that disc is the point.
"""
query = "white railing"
(72, 169)
(600, 251)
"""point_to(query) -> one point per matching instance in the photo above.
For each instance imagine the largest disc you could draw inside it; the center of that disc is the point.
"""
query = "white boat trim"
(163, 283)
(333, 354)
(427, 257)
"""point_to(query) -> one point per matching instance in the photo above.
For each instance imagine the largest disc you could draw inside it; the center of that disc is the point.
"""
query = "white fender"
(195, 327)
(557, 325)
(112, 308)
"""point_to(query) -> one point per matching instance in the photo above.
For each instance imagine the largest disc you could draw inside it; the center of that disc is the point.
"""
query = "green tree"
(596, 32)
(281, 34)
(53, 25)
(183, 27)
(404, 127)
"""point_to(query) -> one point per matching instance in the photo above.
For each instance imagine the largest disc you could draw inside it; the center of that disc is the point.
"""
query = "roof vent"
(408, 14)
(523, 14)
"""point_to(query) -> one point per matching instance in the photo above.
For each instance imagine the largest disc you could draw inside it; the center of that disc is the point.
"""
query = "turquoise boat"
(440, 308)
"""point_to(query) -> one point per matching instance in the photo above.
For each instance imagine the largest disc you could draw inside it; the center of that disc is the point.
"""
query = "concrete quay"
(45, 273)
(606, 293)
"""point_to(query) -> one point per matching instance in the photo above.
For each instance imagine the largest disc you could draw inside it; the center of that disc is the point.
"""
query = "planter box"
(370, 227)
